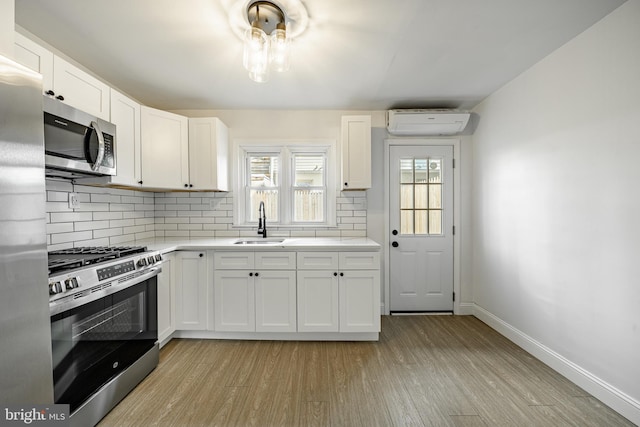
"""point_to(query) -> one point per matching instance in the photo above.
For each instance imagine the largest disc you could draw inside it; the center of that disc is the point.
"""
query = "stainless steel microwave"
(77, 144)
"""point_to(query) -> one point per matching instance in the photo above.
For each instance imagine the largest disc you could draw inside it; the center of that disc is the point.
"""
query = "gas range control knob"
(55, 288)
(151, 260)
(158, 258)
(71, 283)
(142, 262)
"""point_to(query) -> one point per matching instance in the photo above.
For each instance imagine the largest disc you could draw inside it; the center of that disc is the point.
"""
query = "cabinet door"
(317, 301)
(356, 152)
(35, 57)
(360, 301)
(165, 149)
(208, 154)
(275, 301)
(191, 290)
(80, 89)
(166, 290)
(125, 114)
(234, 300)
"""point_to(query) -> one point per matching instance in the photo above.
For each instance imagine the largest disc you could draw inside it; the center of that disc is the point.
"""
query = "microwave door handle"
(100, 156)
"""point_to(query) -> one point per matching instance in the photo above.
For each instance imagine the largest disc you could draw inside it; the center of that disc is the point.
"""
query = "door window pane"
(406, 196)
(421, 196)
(421, 222)
(406, 222)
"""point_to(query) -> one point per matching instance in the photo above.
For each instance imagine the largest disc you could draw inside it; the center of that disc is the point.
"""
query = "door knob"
(394, 232)
(394, 244)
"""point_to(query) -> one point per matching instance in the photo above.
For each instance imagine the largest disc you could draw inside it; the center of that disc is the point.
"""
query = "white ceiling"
(356, 54)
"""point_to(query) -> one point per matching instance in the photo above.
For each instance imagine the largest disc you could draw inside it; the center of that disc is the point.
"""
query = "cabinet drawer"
(359, 260)
(275, 260)
(233, 260)
(317, 260)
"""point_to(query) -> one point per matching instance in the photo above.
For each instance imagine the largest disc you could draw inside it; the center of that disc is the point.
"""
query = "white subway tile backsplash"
(110, 216)
(90, 225)
(70, 216)
(70, 237)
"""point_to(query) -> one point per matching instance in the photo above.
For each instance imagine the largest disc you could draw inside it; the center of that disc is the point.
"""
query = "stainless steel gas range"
(103, 307)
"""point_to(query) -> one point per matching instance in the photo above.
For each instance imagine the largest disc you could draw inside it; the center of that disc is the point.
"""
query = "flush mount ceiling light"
(267, 31)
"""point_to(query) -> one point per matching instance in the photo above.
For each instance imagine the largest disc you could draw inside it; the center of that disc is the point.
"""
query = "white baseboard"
(466, 309)
(620, 402)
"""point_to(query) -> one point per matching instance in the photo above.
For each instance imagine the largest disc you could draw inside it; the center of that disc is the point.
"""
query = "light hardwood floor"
(424, 371)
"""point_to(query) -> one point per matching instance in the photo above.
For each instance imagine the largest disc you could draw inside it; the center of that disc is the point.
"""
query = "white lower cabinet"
(275, 293)
(339, 291)
(191, 290)
(166, 290)
(318, 301)
(234, 301)
(359, 301)
(254, 291)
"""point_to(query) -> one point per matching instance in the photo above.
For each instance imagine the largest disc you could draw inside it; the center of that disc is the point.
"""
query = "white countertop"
(288, 243)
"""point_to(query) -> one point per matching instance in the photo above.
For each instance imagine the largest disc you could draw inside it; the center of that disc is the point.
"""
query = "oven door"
(96, 341)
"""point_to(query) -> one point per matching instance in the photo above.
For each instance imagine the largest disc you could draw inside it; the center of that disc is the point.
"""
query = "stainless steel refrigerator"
(26, 375)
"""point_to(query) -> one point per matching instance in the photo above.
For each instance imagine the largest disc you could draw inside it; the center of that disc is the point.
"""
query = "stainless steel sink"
(258, 241)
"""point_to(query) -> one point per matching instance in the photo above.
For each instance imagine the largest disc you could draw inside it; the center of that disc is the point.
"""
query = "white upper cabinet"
(35, 57)
(356, 152)
(125, 114)
(63, 80)
(80, 89)
(208, 154)
(165, 149)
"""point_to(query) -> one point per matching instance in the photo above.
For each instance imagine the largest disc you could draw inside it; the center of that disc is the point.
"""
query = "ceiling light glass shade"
(279, 49)
(256, 54)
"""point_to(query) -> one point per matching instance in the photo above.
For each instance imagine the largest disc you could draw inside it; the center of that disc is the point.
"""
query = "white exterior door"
(421, 226)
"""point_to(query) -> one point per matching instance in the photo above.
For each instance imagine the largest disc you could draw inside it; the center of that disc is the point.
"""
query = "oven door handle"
(69, 302)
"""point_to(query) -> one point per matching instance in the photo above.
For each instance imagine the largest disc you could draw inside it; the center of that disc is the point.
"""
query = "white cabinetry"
(255, 291)
(191, 290)
(166, 303)
(165, 149)
(318, 292)
(356, 152)
(66, 82)
(125, 114)
(208, 154)
(339, 291)
(35, 57)
(359, 291)
(80, 89)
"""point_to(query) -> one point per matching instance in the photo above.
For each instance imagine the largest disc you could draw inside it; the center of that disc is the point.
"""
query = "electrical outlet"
(73, 201)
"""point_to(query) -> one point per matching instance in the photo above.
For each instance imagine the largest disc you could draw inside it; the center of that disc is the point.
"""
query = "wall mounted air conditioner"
(426, 122)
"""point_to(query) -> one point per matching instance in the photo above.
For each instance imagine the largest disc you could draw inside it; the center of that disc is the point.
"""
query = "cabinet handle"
(60, 97)
(186, 186)
(256, 274)
(394, 244)
(346, 184)
(341, 274)
(190, 185)
(250, 274)
(201, 255)
(335, 274)
(140, 182)
(50, 93)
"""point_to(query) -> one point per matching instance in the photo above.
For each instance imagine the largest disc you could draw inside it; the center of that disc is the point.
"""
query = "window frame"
(286, 150)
